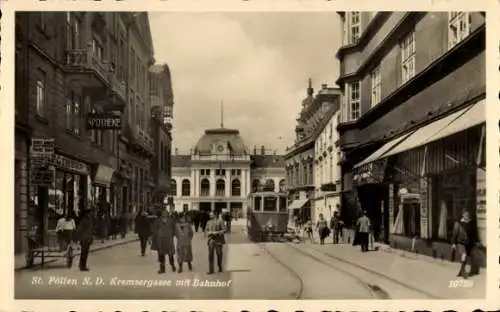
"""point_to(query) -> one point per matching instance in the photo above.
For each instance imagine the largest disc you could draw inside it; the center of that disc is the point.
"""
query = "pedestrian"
(363, 229)
(215, 230)
(196, 220)
(464, 239)
(142, 229)
(308, 230)
(204, 217)
(163, 230)
(85, 234)
(228, 219)
(184, 233)
(336, 225)
(323, 230)
(64, 229)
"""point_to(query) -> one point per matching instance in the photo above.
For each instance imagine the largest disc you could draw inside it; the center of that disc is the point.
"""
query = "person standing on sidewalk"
(65, 228)
(184, 233)
(85, 234)
(196, 220)
(163, 240)
(464, 239)
(323, 230)
(215, 230)
(363, 227)
(142, 229)
(336, 225)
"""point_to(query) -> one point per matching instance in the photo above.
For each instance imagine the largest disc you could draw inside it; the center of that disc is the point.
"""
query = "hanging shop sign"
(104, 122)
(42, 147)
(67, 163)
(42, 176)
(481, 204)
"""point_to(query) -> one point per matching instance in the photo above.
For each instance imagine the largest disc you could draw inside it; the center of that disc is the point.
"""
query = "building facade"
(327, 169)
(162, 102)
(69, 65)
(220, 173)
(412, 124)
(315, 114)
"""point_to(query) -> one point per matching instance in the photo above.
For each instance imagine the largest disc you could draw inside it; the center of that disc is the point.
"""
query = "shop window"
(411, 217)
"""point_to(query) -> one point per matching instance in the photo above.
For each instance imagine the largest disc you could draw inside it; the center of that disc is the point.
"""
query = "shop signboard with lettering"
(42, 176)
(481, 204)
(67, 163)
(104, 121)
(42, 147)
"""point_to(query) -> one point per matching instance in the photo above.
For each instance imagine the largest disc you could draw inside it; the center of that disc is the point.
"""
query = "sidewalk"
(20, 259)
(430, 276)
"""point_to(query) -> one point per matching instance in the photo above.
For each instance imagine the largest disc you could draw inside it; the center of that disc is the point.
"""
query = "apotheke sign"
(104, 122)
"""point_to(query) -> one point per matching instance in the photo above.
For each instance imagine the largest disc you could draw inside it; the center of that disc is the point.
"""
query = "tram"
(267, 215)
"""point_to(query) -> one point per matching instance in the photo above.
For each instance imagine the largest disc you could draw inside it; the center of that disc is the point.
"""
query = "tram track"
(379, 292)
(374, 291)
(297, 276)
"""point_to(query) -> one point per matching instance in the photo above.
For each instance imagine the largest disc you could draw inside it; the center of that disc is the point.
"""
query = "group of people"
(324, 228)
(200, 218)
(171, 237)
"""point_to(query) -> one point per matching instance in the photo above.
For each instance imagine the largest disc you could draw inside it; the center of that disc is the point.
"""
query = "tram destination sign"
(104, 122)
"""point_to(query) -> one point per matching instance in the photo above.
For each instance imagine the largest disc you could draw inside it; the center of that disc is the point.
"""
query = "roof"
(268, 161)
(229, 137)
(181, 160)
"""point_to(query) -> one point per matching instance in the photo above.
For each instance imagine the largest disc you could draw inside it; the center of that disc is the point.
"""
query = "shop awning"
(104, 175)
(420, 137)
(381, 151)
(297, 204)
(474, 116)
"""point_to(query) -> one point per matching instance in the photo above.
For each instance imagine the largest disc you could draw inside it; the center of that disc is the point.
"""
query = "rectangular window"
(97, 50)
(41, 93)
(408, 57)
(73, 112)
(352, 28)
(353, 101)
(376, 87)
(458, 27)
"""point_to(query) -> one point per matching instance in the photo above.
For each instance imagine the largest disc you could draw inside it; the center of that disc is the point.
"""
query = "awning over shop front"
(297, 204)
(474, 116)
(381, 151)
(104, 175)
(420, 137)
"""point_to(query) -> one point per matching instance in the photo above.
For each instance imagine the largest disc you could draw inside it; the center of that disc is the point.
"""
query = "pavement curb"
(78, 253)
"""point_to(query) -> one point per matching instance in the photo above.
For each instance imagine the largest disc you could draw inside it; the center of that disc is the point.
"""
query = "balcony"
(328, 187)
(139, 140)
(82, 66)
(118, 94)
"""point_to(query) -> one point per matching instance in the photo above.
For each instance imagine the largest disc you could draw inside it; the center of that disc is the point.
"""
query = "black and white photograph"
(250, 155)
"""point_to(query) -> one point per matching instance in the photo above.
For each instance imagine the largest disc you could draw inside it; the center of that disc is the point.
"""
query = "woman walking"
(323, 230)
(184, 233)
(163, 240)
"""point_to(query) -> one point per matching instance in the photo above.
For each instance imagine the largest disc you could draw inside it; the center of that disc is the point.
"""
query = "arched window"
(205, 187)
(282, 185)
(270, 184)
(173, 187)
(255, 185)
(236, 188)
(220, 188)
(186, 187)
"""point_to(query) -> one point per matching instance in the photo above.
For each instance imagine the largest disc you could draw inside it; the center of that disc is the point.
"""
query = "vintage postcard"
(328, 159)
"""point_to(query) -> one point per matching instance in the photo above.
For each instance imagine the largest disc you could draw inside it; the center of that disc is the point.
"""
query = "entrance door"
(219, 206)
(205, 206)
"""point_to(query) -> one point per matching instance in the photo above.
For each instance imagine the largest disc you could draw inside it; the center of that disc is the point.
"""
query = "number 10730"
(460, 283)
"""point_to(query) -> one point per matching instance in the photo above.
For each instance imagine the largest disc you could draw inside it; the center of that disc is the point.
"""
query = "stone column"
(248, 182)
(228, 183)
(212, 182)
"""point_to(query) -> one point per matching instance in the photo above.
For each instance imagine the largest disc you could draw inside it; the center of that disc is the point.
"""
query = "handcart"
(37, 249)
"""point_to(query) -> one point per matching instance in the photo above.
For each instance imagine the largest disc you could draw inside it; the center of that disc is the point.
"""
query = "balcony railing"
(84, 60)
(117, 85)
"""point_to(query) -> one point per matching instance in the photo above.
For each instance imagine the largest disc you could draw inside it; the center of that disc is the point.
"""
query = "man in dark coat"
(84, 233)
(143, 229)
(163, 230)
(215, 230)
(465, 237)
(196, 220)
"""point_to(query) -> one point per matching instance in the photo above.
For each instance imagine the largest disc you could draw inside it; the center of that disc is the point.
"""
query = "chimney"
(176, 151)
(262, 150)
(255, 150)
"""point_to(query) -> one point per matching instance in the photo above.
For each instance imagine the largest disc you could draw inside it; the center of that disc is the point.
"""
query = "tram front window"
(270, 203)
(256, 203)
(282, 203)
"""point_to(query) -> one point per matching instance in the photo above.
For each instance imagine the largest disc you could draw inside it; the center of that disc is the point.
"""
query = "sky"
(256, 64)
